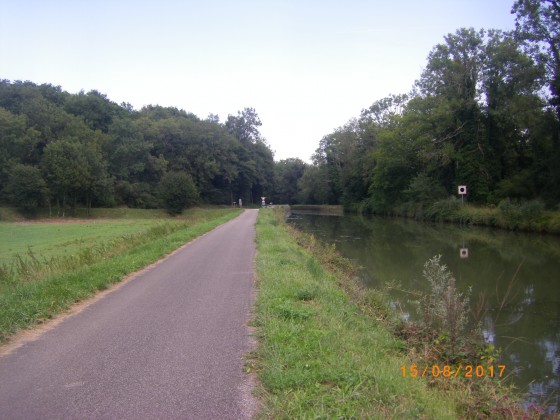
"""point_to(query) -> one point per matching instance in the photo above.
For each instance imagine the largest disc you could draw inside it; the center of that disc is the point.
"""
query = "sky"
(305, 66)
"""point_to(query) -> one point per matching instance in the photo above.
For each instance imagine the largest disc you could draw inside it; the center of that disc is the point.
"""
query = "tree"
(245, 127)
(511, 81)
(95, 109)
(452, 75)
(75, 170)
(17, 142)
(287, 173)
(538, 25)
(177, 191)
(26, 188)
(313, 186)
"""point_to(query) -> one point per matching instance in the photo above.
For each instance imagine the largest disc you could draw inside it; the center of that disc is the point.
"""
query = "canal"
(517, 275)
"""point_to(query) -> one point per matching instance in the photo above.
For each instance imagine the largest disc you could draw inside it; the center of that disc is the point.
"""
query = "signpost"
(263, 201)
(462, 190)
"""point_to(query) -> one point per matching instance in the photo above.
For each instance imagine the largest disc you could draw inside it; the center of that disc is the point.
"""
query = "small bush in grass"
(178, 192)
(509, 212)
(532, 210)
(525, 215)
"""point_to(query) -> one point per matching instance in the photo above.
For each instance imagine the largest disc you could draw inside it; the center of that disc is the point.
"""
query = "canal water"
(517, 273)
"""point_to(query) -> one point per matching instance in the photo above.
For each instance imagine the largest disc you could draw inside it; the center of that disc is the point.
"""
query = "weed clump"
(444, 308)
(447, 338)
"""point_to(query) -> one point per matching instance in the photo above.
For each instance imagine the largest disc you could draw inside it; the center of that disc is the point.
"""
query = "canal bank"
(529, 216)
(326, 348)
(510, 277)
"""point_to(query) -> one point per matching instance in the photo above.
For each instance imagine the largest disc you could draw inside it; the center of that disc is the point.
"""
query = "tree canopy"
(84, 149)
(484, 113)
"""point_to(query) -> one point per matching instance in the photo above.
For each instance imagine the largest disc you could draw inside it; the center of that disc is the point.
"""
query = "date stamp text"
(447, 371)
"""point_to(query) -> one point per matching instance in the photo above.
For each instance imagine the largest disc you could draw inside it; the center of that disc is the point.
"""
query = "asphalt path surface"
(167, 344)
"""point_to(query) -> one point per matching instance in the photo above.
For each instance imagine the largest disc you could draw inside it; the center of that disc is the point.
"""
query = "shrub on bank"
(444, 210)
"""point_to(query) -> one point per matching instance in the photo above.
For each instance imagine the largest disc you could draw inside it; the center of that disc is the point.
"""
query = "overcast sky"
(307, 67)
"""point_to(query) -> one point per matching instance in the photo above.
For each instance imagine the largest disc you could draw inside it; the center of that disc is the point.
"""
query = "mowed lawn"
(52, 238)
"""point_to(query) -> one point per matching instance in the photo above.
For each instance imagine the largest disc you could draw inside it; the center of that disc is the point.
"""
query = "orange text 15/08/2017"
(448, 371)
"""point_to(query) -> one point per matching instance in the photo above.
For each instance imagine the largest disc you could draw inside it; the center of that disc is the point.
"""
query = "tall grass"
(30, 267)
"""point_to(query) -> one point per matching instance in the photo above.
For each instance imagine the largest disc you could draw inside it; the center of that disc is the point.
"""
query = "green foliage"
(26, 188)
(443, 209)
(245, 126)
(177, 191)
(477, 116)
(521, 215)
(444, 308)
(95, 152)
(537, 25)
(314, 186)
(287, 174)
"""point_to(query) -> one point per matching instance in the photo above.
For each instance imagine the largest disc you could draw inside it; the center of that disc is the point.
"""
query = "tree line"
(484, 113)
(62, 150)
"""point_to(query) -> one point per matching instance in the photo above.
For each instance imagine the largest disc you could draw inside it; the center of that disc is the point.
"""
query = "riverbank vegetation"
(484, 113)
(328, 348)
(47, 267)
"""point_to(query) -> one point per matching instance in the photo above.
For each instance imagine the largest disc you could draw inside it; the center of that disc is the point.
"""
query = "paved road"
(168, 344)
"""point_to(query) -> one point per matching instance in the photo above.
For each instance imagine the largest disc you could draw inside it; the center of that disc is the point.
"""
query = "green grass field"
(55, 239)
(49, 237)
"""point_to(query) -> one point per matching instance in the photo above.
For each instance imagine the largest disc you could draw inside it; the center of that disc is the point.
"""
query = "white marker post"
(263, 202)
(462, 190)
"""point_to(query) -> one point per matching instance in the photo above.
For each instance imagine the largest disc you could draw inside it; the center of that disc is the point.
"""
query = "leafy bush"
(520, 215)
(424, 189)
(532, 210)
(178, 192)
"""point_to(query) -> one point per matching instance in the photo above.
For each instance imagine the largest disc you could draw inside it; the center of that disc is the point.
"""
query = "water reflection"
(517, 275)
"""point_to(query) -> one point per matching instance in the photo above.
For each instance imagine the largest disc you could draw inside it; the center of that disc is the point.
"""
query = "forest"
(62, 150)
(484, 113)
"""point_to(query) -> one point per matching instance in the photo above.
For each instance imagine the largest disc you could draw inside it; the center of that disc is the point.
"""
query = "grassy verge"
(34, 290)
(322, 352)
